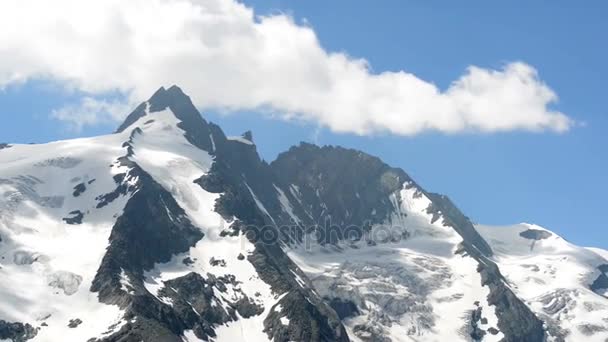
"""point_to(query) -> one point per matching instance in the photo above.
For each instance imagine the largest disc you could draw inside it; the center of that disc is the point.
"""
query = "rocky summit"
(169, 230)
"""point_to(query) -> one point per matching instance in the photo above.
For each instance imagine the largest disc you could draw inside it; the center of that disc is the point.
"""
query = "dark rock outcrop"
(338, 188)
(79, 189)
(344, 308)
(601, 282)
(16, 332)
(515, 320)
(76, 217)
(535, 234)
(74, 323)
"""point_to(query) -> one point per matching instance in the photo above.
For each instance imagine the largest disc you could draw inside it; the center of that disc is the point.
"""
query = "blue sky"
(557, 180)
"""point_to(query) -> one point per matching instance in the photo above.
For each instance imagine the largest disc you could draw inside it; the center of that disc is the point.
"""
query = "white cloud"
(225, 57)
(91, 111)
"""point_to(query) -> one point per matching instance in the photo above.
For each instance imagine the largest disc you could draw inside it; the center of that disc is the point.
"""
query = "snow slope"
(553, 276)
(46, 264)
(404, 287)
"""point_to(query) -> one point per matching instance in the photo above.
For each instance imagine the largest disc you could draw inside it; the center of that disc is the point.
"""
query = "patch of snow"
(125, 282)
(286, 205)
(212, 142)
(240, 139)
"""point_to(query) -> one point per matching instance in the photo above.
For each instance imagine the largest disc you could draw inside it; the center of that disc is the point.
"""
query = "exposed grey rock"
(16, 332)
(474, 331)
(343, 307)
(79, 189)
(493, 330)
(123, 188)
(218, 262)
(515, 320)
(535, 234)
(600, 283)
(74, 323)
(76, 217)
(338, 188)
(188, 261)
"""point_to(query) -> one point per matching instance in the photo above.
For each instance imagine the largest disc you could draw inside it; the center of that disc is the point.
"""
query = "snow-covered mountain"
(168, 230)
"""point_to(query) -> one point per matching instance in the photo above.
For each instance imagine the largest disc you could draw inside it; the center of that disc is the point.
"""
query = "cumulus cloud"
(228, 58)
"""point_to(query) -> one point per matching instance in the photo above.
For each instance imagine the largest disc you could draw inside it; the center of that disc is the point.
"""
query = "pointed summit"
(197, 129)
(173, 98)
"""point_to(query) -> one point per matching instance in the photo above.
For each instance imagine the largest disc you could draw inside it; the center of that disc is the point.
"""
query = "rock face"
(338, 188)
(16, 332)
(169, 230)
(600, 284)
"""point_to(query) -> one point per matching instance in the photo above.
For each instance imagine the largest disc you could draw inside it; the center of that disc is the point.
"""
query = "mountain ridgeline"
(169, 230)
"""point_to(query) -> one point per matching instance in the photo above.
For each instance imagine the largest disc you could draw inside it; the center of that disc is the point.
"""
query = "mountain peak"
(173, 98)
(196, 129)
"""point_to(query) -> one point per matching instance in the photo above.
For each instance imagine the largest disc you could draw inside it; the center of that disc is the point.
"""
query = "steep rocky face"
(600, 284)
(338, 187)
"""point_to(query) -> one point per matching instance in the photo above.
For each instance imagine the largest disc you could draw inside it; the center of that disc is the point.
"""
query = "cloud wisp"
(228, 58)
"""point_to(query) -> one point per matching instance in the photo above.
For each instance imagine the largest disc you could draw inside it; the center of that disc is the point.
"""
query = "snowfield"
(405, 287)
(553, 277)
(46, 264)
